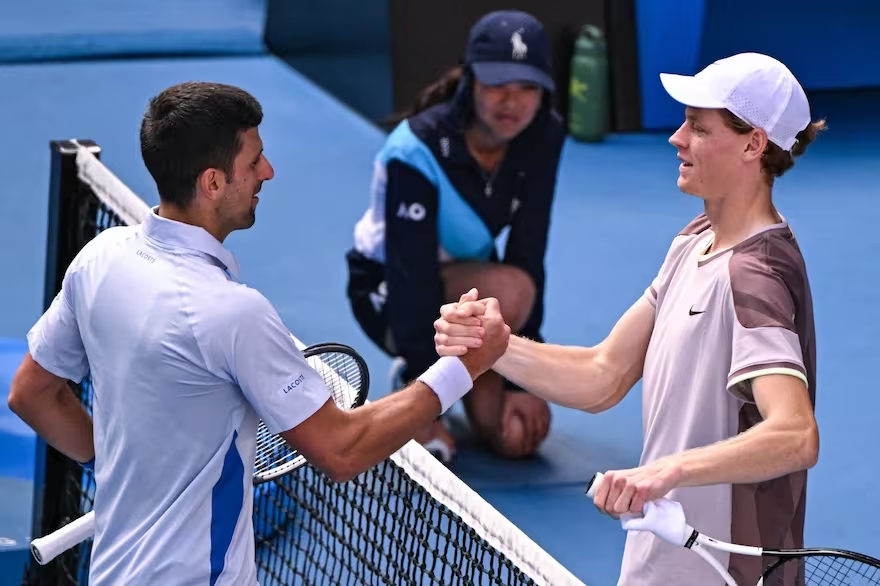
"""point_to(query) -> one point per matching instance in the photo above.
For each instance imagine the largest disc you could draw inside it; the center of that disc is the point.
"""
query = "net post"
(61, 247)
(52, 469)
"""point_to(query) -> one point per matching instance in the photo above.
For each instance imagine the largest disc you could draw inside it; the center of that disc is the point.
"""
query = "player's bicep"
(34, 385)
(321, 436)
(786, 408)
(783, 397)
(623, 351)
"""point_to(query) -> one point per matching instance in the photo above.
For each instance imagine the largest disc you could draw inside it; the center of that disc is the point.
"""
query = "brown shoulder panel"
(768, 281)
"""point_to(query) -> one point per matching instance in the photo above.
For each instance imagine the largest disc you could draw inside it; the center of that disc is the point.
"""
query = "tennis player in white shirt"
(185, 361)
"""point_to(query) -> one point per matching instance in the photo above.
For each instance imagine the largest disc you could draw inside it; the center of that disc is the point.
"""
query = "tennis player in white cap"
(722, 338)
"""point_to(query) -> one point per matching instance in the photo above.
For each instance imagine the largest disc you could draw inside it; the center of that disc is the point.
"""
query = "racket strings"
(343, 375)
(826, 570)
(834, 570)
(272, 451)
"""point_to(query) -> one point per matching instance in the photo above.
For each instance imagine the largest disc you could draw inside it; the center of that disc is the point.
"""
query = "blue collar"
(179, 235)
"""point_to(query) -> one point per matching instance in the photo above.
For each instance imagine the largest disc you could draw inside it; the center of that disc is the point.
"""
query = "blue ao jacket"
(432, 203)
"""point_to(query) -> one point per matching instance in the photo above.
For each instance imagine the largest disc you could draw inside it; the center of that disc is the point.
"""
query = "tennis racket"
(346, 375)
(814, 567)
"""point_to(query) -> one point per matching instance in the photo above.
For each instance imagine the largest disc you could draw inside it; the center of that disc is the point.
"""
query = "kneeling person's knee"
(516, 295)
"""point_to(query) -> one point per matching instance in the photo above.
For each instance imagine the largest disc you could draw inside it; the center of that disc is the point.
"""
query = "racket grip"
(47, 548)
(594, 483)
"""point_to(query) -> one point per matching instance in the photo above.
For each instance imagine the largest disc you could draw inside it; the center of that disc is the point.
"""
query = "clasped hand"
(474, 330)
(464, 324)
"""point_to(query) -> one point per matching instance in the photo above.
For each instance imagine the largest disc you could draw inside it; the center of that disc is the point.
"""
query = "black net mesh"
(381, 528)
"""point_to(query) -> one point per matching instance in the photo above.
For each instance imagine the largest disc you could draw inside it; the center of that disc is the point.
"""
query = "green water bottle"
(588, 89)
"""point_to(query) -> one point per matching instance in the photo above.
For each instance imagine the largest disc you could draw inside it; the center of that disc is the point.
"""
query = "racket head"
(347, 377)
(821, 567)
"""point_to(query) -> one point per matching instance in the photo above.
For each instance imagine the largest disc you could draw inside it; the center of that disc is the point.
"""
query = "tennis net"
(408, 520)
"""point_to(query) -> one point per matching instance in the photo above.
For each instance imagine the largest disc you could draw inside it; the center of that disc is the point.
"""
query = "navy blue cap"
(509, 46)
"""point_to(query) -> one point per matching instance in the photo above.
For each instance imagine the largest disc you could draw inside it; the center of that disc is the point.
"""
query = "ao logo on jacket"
(415, 212)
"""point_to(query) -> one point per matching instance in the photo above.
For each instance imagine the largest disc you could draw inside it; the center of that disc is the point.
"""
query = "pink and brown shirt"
(722, 319)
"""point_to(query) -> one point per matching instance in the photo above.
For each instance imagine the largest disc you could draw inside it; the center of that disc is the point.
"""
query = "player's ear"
(756, 144)
(210, 183)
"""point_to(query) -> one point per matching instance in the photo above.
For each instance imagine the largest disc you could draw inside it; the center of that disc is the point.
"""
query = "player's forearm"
(58, 417)
(768, 450)
(566, 375)
(379, 429)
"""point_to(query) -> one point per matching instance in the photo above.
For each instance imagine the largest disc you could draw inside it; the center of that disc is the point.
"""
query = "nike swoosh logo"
(692, 312)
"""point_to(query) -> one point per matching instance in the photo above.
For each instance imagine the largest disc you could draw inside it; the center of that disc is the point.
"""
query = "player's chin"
(686, 187)
(249, 219)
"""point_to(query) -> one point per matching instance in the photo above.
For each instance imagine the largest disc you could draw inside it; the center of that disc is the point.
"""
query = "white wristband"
(449, 379)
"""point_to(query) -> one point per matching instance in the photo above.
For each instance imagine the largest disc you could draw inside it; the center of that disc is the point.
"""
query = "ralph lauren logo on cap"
(520, 49)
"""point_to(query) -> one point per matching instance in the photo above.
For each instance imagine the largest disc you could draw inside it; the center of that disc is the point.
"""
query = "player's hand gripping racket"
(346, 375)
(818, 567)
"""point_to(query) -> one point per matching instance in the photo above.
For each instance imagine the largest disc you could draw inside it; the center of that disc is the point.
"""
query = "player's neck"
(739, 214)
(193, 216)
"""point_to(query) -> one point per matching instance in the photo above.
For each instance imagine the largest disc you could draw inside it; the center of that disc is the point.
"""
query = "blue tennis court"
(617, 209)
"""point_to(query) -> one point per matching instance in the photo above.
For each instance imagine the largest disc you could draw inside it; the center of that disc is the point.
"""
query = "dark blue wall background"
(341, 45)
(828, 45)
(334, 26)
(345, 45)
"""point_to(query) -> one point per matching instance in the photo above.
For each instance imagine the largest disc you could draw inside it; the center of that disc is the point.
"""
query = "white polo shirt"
(184, 362)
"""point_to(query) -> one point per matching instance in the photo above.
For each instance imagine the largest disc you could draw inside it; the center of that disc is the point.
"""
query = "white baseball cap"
(758, 89)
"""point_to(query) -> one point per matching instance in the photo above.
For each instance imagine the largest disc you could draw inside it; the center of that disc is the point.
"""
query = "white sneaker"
(439, 449)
